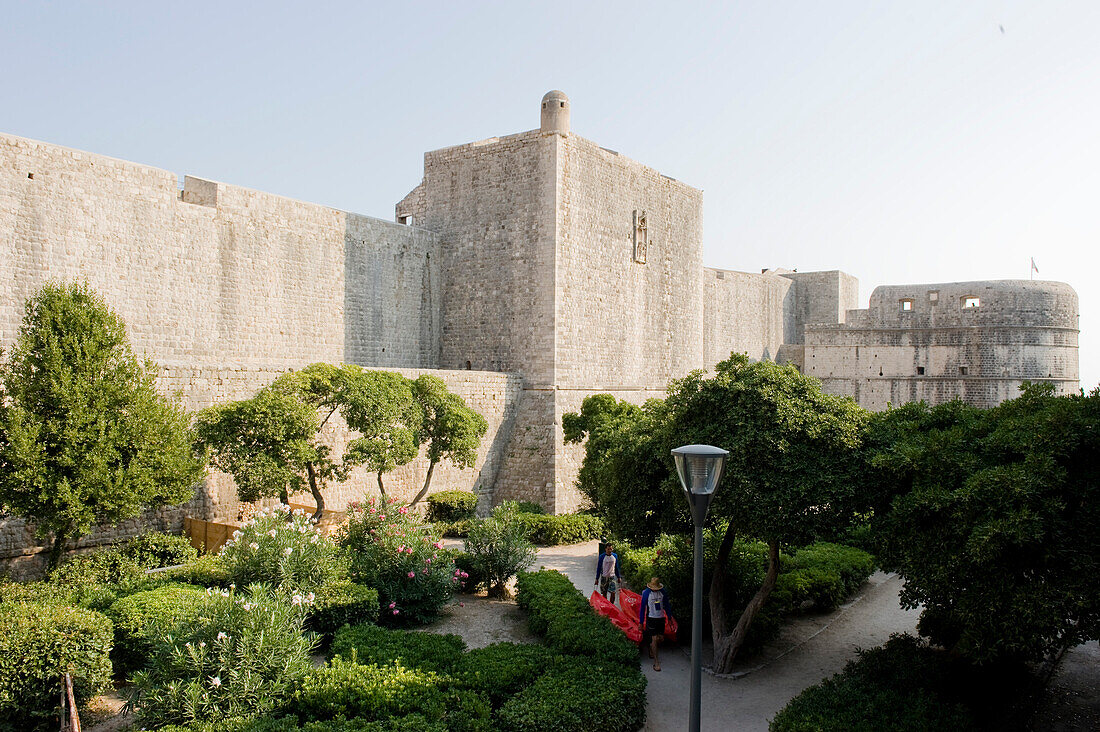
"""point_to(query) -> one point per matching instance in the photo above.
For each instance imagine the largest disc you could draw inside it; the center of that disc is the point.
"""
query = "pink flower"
(396, 612)
(464, 575)
(412, 574)
(393, 605)
(462, 604)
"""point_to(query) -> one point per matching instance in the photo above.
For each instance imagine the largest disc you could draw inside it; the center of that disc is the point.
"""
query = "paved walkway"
(813, 649)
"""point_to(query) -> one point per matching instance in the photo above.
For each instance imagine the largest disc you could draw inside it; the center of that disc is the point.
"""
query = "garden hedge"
(903, 685)
(39, 643)
(452, 506)
(370, 644)
(504, 669)
(342, 603)
(566, 528)
(206, 571)
(557, 610)
(137, 616)
(578, 695)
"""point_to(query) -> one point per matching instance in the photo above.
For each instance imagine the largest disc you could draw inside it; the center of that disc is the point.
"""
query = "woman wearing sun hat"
(651, 614)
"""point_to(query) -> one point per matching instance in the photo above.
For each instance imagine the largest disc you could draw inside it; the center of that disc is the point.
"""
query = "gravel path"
(808, 651)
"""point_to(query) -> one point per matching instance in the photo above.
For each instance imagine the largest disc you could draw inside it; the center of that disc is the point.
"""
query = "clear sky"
(901, 142)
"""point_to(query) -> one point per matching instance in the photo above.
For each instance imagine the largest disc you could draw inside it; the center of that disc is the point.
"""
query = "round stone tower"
(555, 112)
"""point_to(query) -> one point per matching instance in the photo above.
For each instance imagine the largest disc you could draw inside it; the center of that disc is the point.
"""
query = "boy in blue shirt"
(607, 568)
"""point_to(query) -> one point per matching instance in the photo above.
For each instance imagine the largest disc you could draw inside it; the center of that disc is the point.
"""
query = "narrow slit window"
(906, 305)
(971, 302)
(964, 370)
(920, 371)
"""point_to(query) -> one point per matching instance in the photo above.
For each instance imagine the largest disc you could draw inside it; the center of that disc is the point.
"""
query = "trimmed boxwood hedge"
(370, 644)
(578, 695)
(207, 571)
(566, 528)
(342, 603)
(39, 643)
(134, 617)
(903, 685)
(291, 723)
(504, 669)
(557, 609)
(452, 506)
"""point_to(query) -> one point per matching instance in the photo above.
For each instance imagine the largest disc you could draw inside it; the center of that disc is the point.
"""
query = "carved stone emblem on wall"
(641, 236)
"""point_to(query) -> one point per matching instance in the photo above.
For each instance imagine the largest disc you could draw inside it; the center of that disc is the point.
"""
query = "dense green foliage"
(792, 475)
(389, 548)
(452, 506)
(498, 547)
(501, 670)
(341, 603)
(206, 571)
(557, 610)
(903, 686)
(38, 644)
(85, 438)
(139, 616)
(153, 550)
(451, 430)
(289, 553)
(565, 528)
(239, 655)
(369, 644)
(578, 696)
(993, 519)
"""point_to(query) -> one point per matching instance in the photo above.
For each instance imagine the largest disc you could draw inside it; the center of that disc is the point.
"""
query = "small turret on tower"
(555, 112)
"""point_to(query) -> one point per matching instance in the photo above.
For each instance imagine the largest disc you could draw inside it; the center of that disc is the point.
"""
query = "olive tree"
(451, 430)
(85, 438)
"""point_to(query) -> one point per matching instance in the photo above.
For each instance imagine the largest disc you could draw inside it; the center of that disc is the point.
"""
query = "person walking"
(651, 614)
(608, 573)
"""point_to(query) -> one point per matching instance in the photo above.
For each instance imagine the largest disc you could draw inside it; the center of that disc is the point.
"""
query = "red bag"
(617, 617)
(632, 603)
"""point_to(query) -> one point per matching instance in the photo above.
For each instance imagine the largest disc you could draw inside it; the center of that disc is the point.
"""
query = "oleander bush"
(341, 603)
(502, 670)
(557, 610)
(903, 685)
(345, 689)
(499, 549)
(143, 614)
(240, 655)
(370, 644)
(566, 528)
(452, 506)
(38, 643)
(153, 550)
(464, 562)
(578, 696)
(281, 548)
(393, 550)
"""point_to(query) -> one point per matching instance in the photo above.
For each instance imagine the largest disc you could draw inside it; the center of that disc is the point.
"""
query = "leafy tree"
(271, 443)
(993, 519)
(791, 476)
(85, 438)
(451, 429)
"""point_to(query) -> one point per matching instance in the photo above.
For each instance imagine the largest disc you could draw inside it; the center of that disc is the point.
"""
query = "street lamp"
(700, 469)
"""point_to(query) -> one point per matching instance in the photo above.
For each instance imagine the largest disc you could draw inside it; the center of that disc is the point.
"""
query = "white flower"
(254, 546)
(288, 551)
(247, 605)
(313, 539)
(310, 597)
(296, 600)
(222, 636)
(202, 644)
(215, 681)
(237, 534)
(272, 533)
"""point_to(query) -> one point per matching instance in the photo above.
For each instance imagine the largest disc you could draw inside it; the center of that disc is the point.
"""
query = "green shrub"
(578, 696)
(499, 549)
(98, 578)
(138, 616)
(289, 554)
(567, 528)
(503, 669)
(239, 656)
(206, 571)
(472, 580)
(153, 550)
(530, 507)
(455, 529)
(392, 550)
(452, 506)
(341, 603)
(38, 644)
(369, 644)
(346, 690)
(903, 685)
(290, 723)
(557, 609)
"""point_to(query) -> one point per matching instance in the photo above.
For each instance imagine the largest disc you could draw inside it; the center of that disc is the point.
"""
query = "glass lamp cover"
(700, 467)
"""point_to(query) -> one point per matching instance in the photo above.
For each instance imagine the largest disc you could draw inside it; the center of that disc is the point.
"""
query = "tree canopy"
(85, 438)
(451, 430)
(992, 517)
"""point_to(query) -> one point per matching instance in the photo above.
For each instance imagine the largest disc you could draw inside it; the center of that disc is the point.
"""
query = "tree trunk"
(727, 644)
(56, 550)
(427, 482)
(381, 488)
(316, 491)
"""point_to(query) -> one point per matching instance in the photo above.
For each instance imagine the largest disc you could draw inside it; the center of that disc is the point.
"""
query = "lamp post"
(700, 469)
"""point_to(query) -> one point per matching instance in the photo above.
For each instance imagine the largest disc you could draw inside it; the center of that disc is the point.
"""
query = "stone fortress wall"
(528, 271)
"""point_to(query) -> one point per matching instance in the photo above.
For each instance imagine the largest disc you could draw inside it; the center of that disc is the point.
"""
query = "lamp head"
(700, 468)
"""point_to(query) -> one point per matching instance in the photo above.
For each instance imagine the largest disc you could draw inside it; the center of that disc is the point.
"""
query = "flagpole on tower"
(1034, 269)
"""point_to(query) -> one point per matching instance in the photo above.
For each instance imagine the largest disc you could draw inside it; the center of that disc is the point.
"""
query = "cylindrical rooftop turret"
(555, 112)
